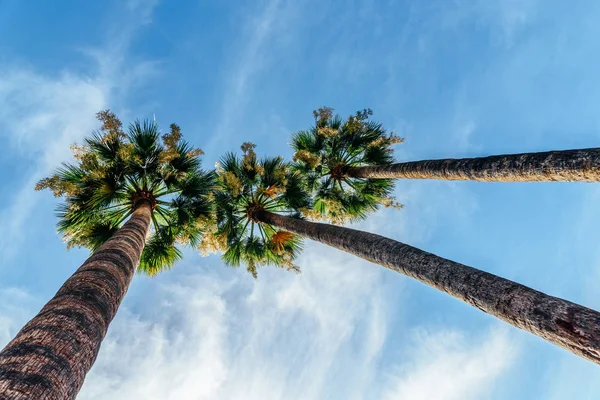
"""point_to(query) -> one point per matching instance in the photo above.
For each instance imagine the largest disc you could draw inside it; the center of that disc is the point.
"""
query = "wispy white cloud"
(252, 55)
(15, 304)
(449, 365)
(512, 16)
(463, 134)
(505, 18)
(41, 115)
(143, 9)
(287, 337)
(284, 336)
(176, 351)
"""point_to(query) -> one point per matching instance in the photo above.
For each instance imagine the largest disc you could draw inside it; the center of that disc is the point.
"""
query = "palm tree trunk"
(561, 322)
(50, 356)
(567, 165)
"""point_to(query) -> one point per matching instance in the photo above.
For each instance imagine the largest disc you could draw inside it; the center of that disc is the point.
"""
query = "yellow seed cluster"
(312, 214)
(334, 213)
(279, 240)
(327, 132)
(59, 188)
(168, 155)
(248, 149)
(259, 169)
(288, 264)
(249, 162)
(211, 241)
(390, 140)
(282, 180)
(171, 139)
(126, 151)
(395, 139)
(272, 191)
(195, 153)
(391, 202)
(323, 114)
(232, 182)
(251, 267)
(311, 160)
(88, 161)
(112, 127)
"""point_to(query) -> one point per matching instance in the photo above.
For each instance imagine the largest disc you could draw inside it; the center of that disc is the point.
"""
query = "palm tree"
(255, 192)
(244, 186)
(355, 149)
(323, 156)
(128, 198)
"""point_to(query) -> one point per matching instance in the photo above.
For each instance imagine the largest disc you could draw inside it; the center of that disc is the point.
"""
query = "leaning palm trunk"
(50, 356)
(561, 322)
(567, 165)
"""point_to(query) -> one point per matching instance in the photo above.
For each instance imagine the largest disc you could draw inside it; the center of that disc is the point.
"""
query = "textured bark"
(50, 356)
(567, 165)
(561, 322)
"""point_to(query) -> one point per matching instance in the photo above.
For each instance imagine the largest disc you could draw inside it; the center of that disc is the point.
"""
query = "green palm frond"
(160, 252)
(114, 169)
(323, 154)
(247, 184)
(107, 149)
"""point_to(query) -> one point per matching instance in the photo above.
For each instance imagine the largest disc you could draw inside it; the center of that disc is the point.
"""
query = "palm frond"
(160, 253)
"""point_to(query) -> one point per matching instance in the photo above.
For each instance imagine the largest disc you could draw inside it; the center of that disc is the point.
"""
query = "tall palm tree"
(244, 186)
(357, 148)
(257, 198)
(128, 198)
(323, 156)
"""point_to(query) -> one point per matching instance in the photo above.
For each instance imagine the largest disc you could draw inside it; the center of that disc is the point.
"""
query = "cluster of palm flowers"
(135, 197)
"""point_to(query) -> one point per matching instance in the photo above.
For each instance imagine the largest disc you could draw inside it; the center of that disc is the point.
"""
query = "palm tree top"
(246, 186)
(325, 152)
(115, 172)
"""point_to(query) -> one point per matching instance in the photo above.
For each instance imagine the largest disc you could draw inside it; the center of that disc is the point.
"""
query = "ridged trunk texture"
(561, 322)
(567, 165)
(50, 356)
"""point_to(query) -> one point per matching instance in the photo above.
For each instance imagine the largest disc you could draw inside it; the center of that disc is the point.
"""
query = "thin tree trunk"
(50, 356)
(561, 322)
(567, 165)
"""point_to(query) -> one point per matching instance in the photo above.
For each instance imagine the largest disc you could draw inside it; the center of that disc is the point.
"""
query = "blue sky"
(459, 78)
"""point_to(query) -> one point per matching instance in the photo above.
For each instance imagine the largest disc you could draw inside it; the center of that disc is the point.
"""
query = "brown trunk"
(50, 356)
(568, 165)
(561, 322)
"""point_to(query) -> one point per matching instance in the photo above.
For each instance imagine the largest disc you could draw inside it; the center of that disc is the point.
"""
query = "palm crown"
(246, 186)
(115, 172)
(326, 152)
